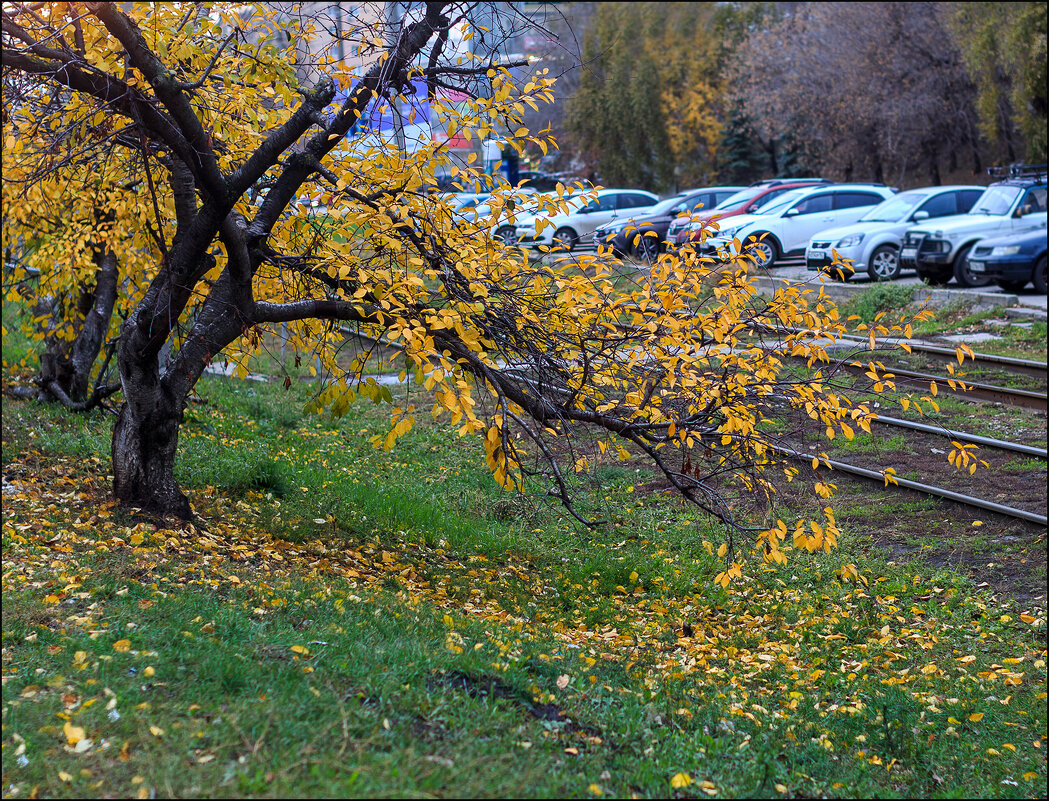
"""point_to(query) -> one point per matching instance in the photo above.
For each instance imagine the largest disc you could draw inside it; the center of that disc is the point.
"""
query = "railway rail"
(1022, 366)
(962, 436)
(968, 389)
(926, 489)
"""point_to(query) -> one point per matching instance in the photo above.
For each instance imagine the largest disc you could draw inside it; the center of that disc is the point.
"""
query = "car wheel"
(506, 234)
(1012, 286)
(647, 249)
(763, 252)
(934, 277)
(565, 238)
(963, 275)
(885, 263)
(1039, 276)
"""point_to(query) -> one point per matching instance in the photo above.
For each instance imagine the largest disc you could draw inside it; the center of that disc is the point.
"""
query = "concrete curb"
(1026, 313)
(934, 297)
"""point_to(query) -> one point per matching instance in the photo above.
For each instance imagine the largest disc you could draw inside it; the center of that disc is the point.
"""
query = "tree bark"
(88, 343)
(144, 447)
(65, 366)
(145, 437)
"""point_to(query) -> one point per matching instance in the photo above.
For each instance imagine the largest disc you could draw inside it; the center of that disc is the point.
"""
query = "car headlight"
(1005, 250)
(850, 241)
(729, 233)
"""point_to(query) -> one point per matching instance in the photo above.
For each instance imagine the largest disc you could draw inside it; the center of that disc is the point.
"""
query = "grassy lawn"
(345, 621)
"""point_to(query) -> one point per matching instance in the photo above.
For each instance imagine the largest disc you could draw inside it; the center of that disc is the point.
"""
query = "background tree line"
(671, 95)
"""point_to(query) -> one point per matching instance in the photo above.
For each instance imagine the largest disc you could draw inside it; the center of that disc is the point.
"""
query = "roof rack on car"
(1018, 171)
(774, 181)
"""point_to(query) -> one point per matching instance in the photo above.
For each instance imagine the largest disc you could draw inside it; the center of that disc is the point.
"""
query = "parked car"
(1011, 261)
(643, 237)
(791, 222)
(1013, 206)
(467, 200)
(503, 228)
(873, 243)
(543, 182)
(751, 200)
(577, 226)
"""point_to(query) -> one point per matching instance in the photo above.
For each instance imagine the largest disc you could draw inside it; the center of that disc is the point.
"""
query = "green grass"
(884, 297)
(354, 622)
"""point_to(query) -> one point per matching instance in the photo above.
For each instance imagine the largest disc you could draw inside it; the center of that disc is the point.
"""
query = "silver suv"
(940, 251)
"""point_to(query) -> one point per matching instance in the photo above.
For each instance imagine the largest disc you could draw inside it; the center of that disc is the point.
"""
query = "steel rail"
(927, 489)
(989, 392)
(1023, 366)
(962, 436)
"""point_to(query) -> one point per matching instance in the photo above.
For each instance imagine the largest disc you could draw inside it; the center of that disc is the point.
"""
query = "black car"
(644, 237)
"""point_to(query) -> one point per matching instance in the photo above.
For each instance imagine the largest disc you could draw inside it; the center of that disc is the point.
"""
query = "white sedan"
(797, 216)
(577, 226)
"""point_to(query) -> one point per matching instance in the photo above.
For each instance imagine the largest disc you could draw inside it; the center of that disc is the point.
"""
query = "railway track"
(971, 390)
(988, 360)
(967, 389)
(962, 436)
(917, 486)
(983, 392)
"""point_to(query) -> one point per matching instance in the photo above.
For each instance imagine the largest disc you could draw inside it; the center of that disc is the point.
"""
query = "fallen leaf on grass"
(680, 780)
(74, 734)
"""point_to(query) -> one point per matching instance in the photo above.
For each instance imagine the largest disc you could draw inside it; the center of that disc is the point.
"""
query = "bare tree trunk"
(88, 343)
(145, 441)
(145, 437)
(65, 366)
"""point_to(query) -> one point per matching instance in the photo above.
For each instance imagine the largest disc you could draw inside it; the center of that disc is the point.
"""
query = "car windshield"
(782, 202)
(738, 199)
(996, 200)
(895, 209)
(668, 206)
(528, 205)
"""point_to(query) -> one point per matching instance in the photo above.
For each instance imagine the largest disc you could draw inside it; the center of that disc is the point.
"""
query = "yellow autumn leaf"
(122, 646)
(976, 717)
(299, 649)
(74, 734)
(156, 731)
(680, 780)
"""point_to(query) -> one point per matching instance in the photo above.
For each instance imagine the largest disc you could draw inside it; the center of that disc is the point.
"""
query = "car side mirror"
(585, 210)
(792, 213)
(920, 215)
